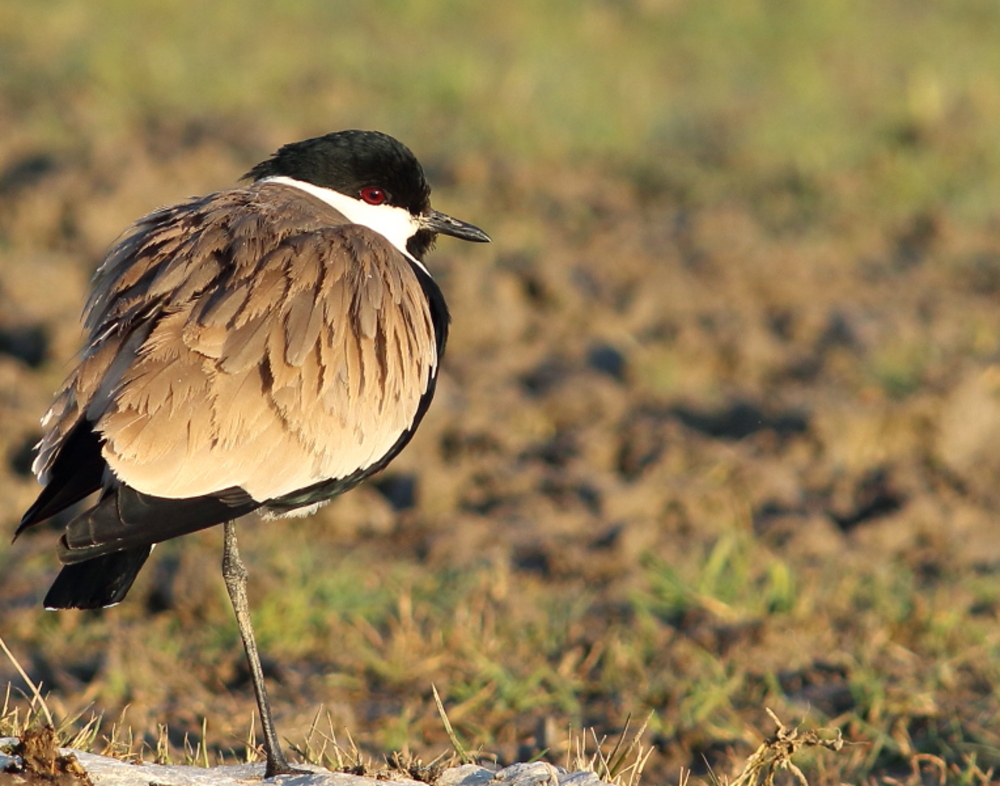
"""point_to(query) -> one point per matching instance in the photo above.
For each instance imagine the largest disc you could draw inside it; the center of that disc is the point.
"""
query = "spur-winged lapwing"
(263, 348)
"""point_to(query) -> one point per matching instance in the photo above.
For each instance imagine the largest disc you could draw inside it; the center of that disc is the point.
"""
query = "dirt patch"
(678, 462)
(42, 764)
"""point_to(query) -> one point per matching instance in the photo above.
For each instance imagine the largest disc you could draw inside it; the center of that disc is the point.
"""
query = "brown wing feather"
(216, 359)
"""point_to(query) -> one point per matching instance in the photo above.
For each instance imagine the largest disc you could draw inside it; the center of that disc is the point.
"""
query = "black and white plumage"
(263, 348)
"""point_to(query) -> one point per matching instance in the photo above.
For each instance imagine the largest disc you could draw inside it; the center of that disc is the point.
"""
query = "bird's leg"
(235, 574)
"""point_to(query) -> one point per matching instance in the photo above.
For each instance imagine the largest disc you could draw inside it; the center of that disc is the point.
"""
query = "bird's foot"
(278, 766)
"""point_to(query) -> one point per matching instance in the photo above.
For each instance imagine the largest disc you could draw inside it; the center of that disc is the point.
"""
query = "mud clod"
(42, 763)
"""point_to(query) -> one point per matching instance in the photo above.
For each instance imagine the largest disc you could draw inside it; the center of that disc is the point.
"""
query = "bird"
(263, 348)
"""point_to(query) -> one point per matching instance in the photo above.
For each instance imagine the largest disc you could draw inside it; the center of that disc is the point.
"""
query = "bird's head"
(373, 180)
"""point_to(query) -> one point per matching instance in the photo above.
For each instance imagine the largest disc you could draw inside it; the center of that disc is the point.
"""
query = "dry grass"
(623, 765)
(776, 754)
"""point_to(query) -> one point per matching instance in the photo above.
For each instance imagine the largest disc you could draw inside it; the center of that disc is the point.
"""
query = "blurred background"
(717, 427)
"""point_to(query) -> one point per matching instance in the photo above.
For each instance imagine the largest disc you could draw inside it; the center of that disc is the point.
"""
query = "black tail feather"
(99, 582)
(105, 547)
(127, 519)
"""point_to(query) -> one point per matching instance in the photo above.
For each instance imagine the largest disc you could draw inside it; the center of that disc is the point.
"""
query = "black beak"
(446, 225)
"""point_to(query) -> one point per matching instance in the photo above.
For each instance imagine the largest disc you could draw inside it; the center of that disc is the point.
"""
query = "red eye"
(373, 195)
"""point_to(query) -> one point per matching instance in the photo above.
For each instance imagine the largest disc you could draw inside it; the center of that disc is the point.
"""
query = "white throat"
(395, 224)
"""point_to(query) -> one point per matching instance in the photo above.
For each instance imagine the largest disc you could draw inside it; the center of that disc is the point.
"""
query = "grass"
(864, 105)
(502, 669)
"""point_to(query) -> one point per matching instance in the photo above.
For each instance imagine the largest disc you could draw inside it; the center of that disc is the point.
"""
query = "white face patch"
(395, 224)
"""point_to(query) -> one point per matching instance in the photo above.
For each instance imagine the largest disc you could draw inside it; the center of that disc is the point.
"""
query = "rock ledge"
(104, 771)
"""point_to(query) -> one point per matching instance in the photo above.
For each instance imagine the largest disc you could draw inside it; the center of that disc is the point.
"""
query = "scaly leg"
(235, 574)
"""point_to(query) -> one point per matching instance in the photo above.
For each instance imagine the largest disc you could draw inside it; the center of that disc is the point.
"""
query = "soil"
(631, 376)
